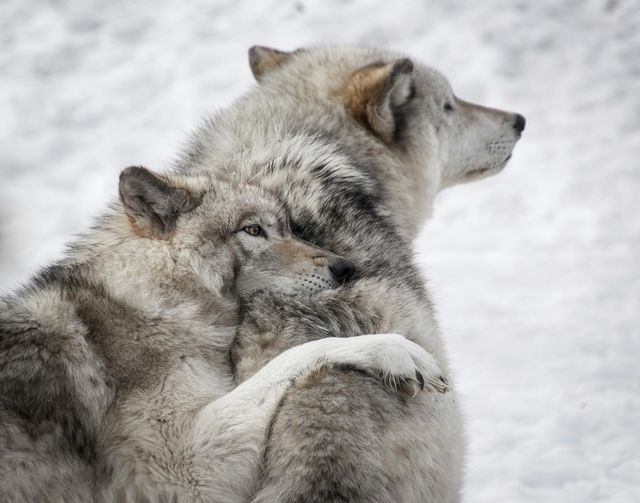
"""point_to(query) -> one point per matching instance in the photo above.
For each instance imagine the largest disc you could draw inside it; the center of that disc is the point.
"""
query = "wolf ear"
(262, 60)
(377, 95)
(151, 203)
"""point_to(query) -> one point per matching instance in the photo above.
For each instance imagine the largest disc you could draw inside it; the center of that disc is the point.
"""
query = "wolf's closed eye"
(255, 230)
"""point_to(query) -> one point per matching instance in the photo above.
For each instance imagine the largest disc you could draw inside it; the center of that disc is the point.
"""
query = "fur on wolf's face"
(475, 141)
(228, 237)
(404, 104)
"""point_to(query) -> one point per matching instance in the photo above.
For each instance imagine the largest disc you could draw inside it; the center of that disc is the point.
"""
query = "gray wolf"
(115, 383)
(357, 142)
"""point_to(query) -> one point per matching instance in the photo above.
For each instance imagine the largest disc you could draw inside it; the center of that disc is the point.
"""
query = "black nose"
(520, 123)
(342, 270)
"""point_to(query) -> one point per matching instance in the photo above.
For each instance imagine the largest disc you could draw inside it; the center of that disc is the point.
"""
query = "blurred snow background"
(536, 272)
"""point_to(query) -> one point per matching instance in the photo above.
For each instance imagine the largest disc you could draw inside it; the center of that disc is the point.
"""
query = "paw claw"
(440, 384)
(408, 387)
(420, 379)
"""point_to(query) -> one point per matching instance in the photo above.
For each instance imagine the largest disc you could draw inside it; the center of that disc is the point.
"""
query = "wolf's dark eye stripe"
(255, 230)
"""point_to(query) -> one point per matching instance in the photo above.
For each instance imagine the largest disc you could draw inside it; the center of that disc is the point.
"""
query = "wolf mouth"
(483, 171)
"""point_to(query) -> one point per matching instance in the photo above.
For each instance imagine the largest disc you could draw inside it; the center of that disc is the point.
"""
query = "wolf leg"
(213, 452)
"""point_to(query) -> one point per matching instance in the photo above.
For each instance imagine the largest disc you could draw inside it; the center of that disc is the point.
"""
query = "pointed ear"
(151, 202)
(377, 95)
(262, 60)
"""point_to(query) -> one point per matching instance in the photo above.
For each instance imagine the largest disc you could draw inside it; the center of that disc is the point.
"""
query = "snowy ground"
(536, 272)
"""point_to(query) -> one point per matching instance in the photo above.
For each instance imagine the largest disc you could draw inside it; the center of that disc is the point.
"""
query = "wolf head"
(227, 236)
(409, 107)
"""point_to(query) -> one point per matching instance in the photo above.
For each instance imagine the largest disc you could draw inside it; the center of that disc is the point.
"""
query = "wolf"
(358, 142)
(115, 383)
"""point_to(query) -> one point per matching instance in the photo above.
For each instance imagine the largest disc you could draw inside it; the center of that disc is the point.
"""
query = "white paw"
(402, 364)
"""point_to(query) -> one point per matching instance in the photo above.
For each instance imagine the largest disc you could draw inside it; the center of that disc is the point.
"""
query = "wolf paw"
(401, 364)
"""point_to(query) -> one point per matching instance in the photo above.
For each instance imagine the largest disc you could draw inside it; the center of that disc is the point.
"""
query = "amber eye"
(255, 230)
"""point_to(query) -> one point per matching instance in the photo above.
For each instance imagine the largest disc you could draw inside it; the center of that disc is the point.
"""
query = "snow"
(536, 272)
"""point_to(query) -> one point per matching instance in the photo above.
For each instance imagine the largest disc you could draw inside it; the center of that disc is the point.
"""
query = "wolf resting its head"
(228, 237)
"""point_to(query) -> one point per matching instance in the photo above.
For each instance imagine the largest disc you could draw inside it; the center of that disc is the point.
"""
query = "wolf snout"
(519, 123)
(342, 270)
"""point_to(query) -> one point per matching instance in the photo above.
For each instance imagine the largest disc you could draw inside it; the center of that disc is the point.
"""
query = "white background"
(536, 272)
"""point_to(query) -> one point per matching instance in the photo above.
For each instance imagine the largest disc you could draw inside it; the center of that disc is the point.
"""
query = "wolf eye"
(448, 107)
(255, 230)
